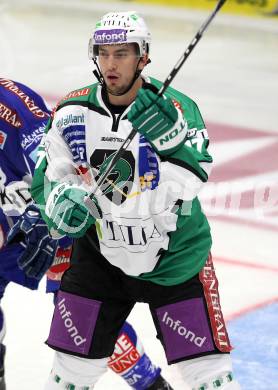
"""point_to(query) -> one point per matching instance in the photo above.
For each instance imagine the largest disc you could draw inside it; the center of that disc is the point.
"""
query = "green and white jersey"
(152, 227)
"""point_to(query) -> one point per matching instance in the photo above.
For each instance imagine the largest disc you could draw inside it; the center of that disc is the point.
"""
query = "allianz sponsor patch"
(69, 120)
(110, 36)
(3, 137)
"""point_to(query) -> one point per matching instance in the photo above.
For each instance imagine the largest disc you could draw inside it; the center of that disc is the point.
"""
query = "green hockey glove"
(66, 212)
(158, 120)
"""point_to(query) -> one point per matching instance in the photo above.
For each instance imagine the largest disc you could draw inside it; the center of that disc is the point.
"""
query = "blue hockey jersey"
(23, 117)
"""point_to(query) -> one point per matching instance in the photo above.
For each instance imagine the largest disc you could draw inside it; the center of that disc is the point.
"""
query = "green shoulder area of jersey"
(82, 95)
(41, 186)
(195, 149)
(188, 106)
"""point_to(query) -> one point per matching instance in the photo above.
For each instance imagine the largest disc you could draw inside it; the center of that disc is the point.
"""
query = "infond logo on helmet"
(71, 328)
(110, 36)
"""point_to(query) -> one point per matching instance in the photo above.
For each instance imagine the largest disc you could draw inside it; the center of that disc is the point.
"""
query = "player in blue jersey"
(23, 115)
(30, 251)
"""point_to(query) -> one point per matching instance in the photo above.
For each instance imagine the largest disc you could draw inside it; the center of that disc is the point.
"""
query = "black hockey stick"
(88, 199)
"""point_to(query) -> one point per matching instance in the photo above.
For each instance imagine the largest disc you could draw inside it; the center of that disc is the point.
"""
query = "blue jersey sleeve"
(23, 117)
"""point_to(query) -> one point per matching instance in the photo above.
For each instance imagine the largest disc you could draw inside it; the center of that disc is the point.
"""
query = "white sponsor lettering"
(69, 120)
(125, 355)
(35, 136)
(176, 326)
(172, 138)
(134, 379)
(208, 278)
(69, 324)
(170, 135)
(106, 37)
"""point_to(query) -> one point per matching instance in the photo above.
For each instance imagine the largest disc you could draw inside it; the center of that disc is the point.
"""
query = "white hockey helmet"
(120, 27)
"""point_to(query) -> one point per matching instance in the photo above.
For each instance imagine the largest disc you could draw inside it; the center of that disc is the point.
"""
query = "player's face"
(118, 64)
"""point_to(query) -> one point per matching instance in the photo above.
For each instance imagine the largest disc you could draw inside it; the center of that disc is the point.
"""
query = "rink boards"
(245, 7)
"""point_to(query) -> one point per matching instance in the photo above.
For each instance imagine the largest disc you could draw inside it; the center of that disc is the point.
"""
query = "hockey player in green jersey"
(147, 239)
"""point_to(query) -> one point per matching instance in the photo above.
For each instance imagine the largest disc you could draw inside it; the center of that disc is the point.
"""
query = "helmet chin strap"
(98, 73)
(100, 79)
